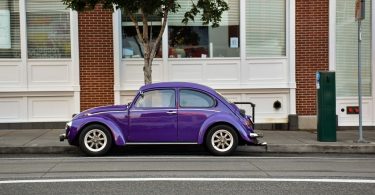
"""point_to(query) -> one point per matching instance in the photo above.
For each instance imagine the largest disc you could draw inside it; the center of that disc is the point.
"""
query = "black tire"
(221, 140)
(95, 140)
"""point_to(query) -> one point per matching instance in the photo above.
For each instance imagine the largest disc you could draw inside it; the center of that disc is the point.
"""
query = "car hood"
(102, 109)
(107, 108)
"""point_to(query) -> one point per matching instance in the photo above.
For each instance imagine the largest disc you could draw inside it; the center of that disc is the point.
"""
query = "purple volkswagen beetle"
(164, 113)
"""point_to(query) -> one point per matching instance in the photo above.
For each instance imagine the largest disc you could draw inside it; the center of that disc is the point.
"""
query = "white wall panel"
(49, 73)
(55, 73)
(219, 73)
(267, 71)
(10, 73)
(263, 100)
(223, 71)
(187, 71)
(10, 109)
(125, 99)
(352, 119)
(132, 76)
(51, 108)
(265, 112)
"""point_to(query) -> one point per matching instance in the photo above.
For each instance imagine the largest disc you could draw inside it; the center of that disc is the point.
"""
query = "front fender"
(118, 136)
(223, 118)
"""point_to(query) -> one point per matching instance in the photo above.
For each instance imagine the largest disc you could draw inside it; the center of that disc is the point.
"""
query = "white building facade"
(250, 57)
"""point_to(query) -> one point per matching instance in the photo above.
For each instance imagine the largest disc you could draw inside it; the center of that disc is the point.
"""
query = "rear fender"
(222, 118)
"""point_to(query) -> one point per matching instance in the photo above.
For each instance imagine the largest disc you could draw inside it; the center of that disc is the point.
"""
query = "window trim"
(200, 91)
(139, 95)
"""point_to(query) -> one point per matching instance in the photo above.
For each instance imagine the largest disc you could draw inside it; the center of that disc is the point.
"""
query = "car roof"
(177, 85)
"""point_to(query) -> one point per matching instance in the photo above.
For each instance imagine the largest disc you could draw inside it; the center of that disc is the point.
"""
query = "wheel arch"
(240, 139)
(116, 133)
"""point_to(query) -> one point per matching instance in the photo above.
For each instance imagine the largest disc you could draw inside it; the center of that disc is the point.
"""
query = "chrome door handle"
(171, 112)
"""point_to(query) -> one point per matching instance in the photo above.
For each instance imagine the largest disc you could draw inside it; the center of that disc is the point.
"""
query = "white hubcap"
(222, 140)
(95, 140)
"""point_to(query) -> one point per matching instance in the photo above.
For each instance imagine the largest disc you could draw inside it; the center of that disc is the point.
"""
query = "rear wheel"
(95, 140)
(222, 140)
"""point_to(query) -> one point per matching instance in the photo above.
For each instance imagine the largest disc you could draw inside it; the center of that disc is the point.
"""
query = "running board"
(161, 143)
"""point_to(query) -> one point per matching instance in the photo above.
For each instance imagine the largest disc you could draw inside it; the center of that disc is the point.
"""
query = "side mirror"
(141, 93)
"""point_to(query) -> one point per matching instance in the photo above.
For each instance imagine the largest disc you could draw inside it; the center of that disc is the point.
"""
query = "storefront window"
(265, 28)
(9, 29)
(347, 47)
(48, 29)
(196, 40)
(132, 47)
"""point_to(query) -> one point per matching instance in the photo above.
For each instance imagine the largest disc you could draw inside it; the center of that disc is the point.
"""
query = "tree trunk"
(147, 69)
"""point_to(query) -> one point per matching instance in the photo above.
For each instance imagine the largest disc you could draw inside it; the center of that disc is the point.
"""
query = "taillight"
(248, 123)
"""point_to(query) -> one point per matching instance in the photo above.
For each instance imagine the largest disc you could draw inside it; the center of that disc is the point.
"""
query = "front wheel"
(222, 140)
(95, 140)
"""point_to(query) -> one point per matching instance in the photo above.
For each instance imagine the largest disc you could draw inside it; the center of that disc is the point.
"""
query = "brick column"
(96, 58)
(312, 44)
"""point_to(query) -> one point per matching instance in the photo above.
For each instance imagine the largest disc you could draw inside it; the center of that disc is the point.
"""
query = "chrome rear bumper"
(256, 135)
(62, 137)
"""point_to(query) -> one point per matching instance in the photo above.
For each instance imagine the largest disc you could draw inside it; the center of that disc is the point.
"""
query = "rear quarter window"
(195, 99)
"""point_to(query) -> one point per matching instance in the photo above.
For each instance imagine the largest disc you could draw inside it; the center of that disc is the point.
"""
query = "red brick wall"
(312, 22)
(96, 58)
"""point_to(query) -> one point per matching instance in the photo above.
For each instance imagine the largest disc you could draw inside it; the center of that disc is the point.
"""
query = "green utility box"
(326, 106)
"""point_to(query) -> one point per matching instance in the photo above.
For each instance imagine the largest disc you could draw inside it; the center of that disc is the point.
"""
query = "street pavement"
(45, 141)
(193, 174)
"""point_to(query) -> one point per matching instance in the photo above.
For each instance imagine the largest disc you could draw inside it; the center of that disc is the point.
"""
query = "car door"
(194, 108)
(153, 117)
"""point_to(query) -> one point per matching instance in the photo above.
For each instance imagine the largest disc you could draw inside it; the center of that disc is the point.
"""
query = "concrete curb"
(271, 148)
(40, 150)
(310, 148)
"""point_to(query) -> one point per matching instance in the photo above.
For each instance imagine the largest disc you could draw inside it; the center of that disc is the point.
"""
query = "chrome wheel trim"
(222, 140)
(95, 140)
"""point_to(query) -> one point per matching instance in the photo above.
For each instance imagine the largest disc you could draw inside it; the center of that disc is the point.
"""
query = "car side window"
(195, 99)
(163, 98)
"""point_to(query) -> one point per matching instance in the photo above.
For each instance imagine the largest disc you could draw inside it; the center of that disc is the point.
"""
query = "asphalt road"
(188, 174)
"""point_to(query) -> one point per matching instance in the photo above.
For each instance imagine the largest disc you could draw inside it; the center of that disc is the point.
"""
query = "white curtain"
(347, 47)
(265, 28)
(230, 17)
(48, 29)
(9, 29)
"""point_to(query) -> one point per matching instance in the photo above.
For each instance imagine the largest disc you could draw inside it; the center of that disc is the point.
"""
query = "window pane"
(347, 47)
(9, 29)
(265, 28)
(157, 99)
(195, 99)
(48, 29)
(131, 45)
(200, 41)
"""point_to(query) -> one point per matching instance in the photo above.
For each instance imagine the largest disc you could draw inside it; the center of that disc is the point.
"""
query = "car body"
(164, 113)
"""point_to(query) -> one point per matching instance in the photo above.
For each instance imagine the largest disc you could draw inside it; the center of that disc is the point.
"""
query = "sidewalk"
(46, 141)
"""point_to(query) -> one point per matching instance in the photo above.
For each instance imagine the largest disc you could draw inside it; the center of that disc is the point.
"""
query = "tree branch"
(134, 20)
(145, 26)
(160, 35)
